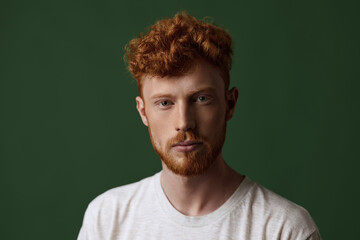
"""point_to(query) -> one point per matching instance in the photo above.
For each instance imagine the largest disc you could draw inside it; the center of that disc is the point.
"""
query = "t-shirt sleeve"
(82, 234)
(314, 236)
(91, 228)
(84, 231)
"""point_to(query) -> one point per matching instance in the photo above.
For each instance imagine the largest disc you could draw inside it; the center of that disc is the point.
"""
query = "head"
(182, 70)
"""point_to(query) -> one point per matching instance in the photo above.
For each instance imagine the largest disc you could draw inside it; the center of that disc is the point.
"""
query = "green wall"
(69, 129)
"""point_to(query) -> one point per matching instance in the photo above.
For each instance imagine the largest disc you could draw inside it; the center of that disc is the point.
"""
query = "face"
(186, 117)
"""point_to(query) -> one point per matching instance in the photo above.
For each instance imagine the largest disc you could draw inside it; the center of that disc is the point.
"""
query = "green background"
(69, 129)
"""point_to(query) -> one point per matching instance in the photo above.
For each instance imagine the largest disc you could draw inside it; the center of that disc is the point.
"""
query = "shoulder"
(118, 198)
(279, 214)
(108, 210)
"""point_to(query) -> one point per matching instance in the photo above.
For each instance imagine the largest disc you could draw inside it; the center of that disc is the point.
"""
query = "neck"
(203, 194)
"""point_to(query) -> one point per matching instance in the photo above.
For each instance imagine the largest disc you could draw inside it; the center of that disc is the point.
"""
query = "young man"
(182, 69)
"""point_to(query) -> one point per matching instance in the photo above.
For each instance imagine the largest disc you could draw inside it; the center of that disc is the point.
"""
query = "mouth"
(186, 146)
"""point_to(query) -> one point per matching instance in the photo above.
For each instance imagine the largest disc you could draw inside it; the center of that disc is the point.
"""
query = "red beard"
(191, 163)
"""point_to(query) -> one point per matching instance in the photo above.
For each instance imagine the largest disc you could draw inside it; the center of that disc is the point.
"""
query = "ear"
(232, 97)
(140, 106)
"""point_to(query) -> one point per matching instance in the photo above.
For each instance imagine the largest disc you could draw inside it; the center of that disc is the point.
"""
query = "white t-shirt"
(142, 211)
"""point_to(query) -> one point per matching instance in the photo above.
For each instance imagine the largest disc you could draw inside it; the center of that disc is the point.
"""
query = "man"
(182, 70)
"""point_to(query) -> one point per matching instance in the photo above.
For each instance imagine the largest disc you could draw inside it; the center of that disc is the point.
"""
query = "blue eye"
(202, 98)
(164, 103)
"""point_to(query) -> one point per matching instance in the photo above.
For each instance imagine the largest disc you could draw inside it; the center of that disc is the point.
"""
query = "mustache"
(184, 136)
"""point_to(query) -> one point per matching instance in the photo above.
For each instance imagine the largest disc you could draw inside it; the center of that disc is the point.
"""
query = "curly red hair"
(172, 46)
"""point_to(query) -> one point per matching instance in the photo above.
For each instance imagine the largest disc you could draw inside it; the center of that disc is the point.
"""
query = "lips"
(186, 146)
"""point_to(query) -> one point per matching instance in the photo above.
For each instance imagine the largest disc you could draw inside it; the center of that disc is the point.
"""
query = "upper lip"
(186, 143)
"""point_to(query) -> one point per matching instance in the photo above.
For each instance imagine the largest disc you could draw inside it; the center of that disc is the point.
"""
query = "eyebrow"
(206, 89)
(193, 92)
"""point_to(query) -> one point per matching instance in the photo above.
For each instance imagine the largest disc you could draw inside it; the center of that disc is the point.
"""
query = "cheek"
(159, 127)
(211, 117)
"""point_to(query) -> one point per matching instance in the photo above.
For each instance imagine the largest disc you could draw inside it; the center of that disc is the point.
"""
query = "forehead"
(203, 76)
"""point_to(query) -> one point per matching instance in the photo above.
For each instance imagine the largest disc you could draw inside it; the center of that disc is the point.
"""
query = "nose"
(185, 117)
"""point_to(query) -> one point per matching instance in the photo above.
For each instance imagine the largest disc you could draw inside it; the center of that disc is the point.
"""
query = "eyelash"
(160, 103)
(206, 98)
